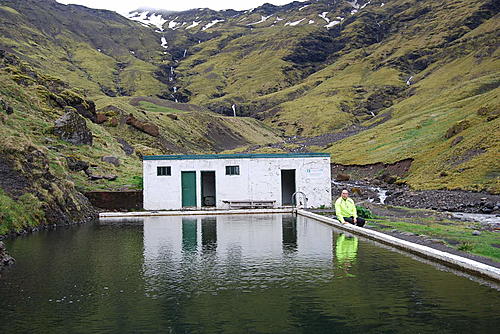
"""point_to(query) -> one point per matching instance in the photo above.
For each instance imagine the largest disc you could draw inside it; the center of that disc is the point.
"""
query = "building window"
(232, 170)
(163, 171)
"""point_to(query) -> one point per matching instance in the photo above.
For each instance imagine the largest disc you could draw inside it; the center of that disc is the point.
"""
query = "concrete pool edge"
(448, 259)
(160, 213)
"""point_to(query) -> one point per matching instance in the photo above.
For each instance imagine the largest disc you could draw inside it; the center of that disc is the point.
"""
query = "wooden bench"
(250, 204)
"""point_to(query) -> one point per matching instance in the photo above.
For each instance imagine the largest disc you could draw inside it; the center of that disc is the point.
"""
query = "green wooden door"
(188, 189)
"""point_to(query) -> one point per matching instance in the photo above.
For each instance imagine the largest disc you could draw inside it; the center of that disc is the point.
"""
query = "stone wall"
(116, 200)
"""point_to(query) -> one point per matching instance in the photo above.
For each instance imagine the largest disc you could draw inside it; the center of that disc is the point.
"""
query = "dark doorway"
(287, 186)
(208, 189)
(289, 230)
(209, 234)
(189, 234)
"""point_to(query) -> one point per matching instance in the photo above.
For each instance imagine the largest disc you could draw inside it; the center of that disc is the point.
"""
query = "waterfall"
(371, 112)
(172, 70)
(408, 82)
(175, 89)
(185, 53)
(234, 109)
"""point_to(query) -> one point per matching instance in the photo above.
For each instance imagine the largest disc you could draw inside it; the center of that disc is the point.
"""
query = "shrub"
(364, 212)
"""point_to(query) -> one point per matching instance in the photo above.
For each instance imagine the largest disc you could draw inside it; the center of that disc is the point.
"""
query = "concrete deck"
(451, 260)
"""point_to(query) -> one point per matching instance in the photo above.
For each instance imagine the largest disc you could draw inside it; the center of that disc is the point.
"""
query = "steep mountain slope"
(402, 79)
(98, 51)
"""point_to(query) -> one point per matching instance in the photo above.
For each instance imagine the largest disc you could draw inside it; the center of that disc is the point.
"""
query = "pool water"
(231, 274)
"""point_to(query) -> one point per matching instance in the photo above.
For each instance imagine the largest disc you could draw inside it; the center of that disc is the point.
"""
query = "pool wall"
(451, 260)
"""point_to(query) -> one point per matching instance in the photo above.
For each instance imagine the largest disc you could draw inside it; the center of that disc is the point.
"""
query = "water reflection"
(231, 274)
(346, 250)
(252, 237)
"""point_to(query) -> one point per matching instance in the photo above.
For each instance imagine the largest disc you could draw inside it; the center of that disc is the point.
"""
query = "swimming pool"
(231, 274)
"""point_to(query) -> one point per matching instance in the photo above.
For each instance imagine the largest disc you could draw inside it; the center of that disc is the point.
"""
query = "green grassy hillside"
(403, 74)
(398, 79)
(181, 128)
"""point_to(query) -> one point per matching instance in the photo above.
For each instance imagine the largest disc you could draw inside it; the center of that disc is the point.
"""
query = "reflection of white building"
(168, 239)
(174, 182)
(253, 237)
(314, 239)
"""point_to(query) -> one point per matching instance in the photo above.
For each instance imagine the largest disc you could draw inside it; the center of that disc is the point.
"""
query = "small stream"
(382, 194)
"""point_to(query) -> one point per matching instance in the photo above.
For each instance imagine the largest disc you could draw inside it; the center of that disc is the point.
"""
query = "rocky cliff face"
(34, 193)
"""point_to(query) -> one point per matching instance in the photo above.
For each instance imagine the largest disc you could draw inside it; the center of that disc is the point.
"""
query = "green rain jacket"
(345, 208)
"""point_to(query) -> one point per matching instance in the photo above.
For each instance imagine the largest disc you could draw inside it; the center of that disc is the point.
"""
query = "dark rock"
(101, 118)
(457, 140)
(114, 122)
(126, 147)
(342, 177)
(4, 106)
(5, 259)
(111, 160)
(76, 165)
(172, 116)
(72, 128)
(457, 128)
(84, 107)
(146, 127)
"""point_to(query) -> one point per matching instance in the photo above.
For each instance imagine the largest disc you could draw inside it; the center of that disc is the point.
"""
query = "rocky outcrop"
(84, 107)
(101, 118)
(5, 259)
(72, 128)
(5, 107)
(146, 127)
(30, 182)
(76, 165)
(446, 200)
(111, 160)
(457, 128)
(126, 147)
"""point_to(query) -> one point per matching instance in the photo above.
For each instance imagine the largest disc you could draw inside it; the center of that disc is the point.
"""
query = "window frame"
(233, 170)
(166, 169)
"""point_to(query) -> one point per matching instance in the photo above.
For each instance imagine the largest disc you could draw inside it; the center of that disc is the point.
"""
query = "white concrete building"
(222, 181)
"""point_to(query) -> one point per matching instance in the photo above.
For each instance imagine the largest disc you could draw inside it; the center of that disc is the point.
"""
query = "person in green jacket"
(345, 209)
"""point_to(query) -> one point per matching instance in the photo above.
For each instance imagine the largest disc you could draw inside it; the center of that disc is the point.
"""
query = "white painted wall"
(259, 179)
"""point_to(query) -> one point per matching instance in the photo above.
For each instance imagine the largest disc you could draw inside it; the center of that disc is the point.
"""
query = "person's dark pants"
(359, 221)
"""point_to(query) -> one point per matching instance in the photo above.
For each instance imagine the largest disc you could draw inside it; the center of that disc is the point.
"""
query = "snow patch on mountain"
(194, 24)
(323, 16)
(293, 24)
(354, 4)
(331, 24)
(262, 19)
(164, 43)
(145, 19)
(211, 24)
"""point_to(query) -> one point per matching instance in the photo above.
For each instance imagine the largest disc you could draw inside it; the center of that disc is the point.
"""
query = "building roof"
(236, 156)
